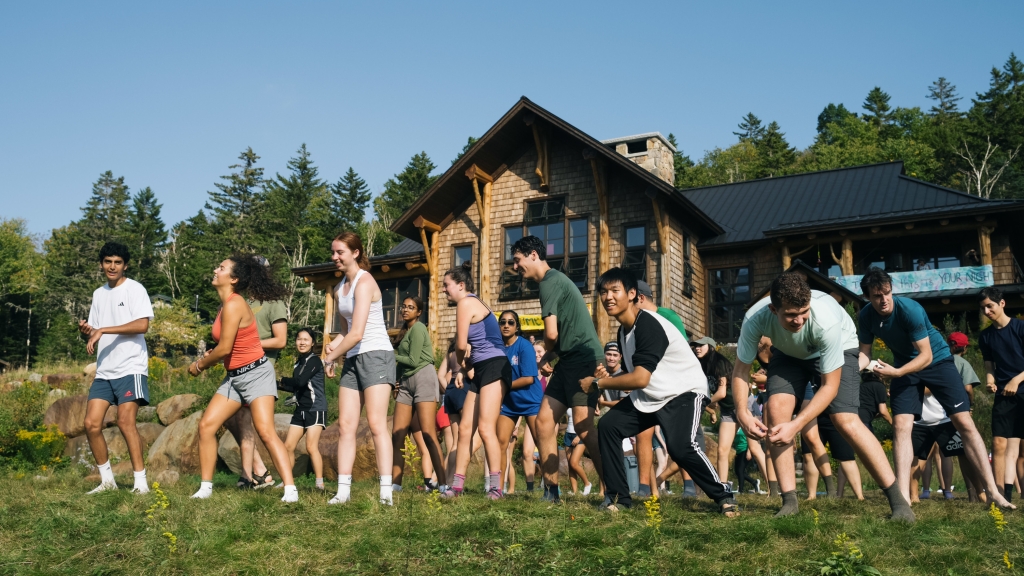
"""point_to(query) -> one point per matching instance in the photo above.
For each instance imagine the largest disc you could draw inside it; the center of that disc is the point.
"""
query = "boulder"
(54, 395)
(79, 451)
(365, 466)
(175, 451)
(110, 418)
(60, 380)
(146, 414)
(170, 410)
(68, 415)
(35, 377)
(89, 372)
(231, 455)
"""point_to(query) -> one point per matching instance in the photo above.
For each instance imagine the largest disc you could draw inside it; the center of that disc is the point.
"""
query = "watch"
(596, 380)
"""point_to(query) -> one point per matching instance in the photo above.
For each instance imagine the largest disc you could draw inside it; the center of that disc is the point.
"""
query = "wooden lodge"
(706, 252)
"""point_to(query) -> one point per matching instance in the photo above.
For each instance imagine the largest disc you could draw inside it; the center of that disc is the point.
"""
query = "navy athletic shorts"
(907, 393)
(131, 388)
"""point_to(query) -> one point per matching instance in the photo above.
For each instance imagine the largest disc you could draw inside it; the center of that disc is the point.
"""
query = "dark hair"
(992, 293)
(307, 330)
(869, 376)
(515, 316)
(462, 274)
(528, 244)
(254, 279)
(397, 338)
(790, 288)
(355, 243)
(624, 277)
(874, 278)
(115, 249)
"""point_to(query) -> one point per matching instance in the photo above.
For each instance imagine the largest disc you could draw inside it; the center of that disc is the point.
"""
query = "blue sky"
(168, 94)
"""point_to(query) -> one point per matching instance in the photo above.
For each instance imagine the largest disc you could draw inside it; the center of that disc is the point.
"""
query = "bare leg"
(426, 466)
(263, 420)
(505, 426)
(998, 460)
(551, 412)
(903, 452)
(126, 415)
(489, 409)
(376, 399)
(313, 447)
(467, 428)
(217, 412)
(645, 457)
(850, 471)
(583, 419)
(349, 406)
(974, 448)
(758, 454)
(726, 435)
(782, 406)
(95, 410)
(291, 441)
(529, 466)
(916, 472)
(426, 415)
(866, 447)
(810, 477)
(400, 423)
(575, 458)
(453, 448)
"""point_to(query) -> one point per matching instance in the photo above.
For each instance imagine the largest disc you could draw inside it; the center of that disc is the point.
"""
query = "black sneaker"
(551, 494)
(291, 401)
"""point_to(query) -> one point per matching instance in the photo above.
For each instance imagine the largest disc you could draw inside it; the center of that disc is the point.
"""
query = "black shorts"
(309, 418)
(454, 398)
(788, 375)
(945, 434)
(907, 392)
(489, 371)
(564, 384)
(1008, 417)
(837, 445)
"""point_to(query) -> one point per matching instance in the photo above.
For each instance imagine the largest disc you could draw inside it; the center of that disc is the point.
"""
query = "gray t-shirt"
(967, 373)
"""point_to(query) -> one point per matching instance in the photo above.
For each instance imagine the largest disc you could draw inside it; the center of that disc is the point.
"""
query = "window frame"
(455, 248)
(711, 274)
(528, 289)
(393, 285)
(688, 288)
(645, 260)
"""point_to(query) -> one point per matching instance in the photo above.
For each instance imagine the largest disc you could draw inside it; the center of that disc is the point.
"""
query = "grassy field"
(48, 526)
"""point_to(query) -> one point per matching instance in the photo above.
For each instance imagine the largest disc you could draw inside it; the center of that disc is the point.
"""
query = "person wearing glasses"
(417, 392)
(523, 399)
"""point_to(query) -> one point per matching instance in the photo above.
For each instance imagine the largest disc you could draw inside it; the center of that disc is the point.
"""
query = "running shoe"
(291, 401)
(448, 492)
(495, 494)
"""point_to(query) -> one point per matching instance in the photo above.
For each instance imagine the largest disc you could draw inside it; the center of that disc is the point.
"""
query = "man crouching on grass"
(667, 388)
(118, 320)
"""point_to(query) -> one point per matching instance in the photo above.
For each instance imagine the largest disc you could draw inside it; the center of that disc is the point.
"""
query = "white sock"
(141, 485)
(344, 490)
(487, 482)
(385, 490)
(106, 474)
(319, 482)
(291, 494)
(586, 489)
(205, 490)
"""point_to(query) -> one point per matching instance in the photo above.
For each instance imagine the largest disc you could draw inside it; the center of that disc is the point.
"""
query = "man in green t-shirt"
(272, 326)
(569, 337)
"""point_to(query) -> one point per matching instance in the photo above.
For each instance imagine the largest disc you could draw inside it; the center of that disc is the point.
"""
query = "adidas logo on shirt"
(121, 304)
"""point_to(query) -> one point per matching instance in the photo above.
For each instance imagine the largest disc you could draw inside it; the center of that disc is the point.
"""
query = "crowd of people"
(633, 406)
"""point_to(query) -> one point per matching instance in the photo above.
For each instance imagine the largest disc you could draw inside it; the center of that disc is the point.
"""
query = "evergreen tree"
(298, 211)
(997, 116)
(469, 144)
(945, 96)
(774, 154)
(878, 111)
(145, 229)
(750, 128)
(400, 192)
(833, 114)
(105, 215)
(680, 162)
(237, 205)
(350, 199)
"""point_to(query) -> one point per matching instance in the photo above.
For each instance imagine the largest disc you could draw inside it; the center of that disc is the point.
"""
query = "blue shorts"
(567, 440)
(907, 393)
(131, 388)
(454, 398)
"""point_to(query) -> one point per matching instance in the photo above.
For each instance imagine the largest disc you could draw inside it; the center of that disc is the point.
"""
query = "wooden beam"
(484, 256)
(411, 265)
(787, 260)
(475, 173)
(660, 221)
(435, 285)
(847, 263)
(985, 244)
(894, 233)
(328, 319)
(603, 242)
(542, 170)
(421, 222)
(426, 248)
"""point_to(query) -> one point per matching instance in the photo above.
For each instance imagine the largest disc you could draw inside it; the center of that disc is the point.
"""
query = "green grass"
(48, 526)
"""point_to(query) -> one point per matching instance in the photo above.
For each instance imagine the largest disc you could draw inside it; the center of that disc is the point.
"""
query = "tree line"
(290, 218)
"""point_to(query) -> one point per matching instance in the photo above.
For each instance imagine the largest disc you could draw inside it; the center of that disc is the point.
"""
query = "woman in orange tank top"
(250, 377)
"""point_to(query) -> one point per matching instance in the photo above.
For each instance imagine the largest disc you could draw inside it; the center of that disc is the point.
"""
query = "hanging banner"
(930, 280)
(531, 322)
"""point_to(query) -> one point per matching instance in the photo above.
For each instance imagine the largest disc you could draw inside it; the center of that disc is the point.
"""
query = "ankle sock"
(106, 474)
(830, 485)
(644, 490)
(386, 490)
(458, 483)
(900, 507)
(529, 486)
(205, 490)
(773, 488)
(1007, 491)
(320, 483)
(344, 488)
(790, 505)
(140, 481)
(291, 494)
(494, 480)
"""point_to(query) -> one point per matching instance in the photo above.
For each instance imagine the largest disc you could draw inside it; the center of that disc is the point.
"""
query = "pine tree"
(877, 106)
(680, 162)
(469, 144)
(146, 231)
(750, 128)
(774, 154)
(238, 203)
(945, 98)
(997, 115)
(105, 214)
(832, 114)
(297, 209)
(350, 198)
(400, 192)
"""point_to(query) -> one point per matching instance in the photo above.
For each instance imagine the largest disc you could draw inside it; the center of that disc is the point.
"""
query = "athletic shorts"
(655, 442)
(564, 384)
(368, 369)
(728, 416)
(567, 439)
(130, 388)
(923, 437)
(788, 375)
(256, 383)
(907, 393)
(420, 387)
(309, 418)
(837, 445)
(455, 398)
(441, 419)
(489, 371)
(1007, 416)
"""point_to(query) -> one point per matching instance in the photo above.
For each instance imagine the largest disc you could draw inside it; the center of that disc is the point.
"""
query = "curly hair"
(462, 274)
(790, 288)
(528, 244)
(355, 244)
(115, 249)
(254, 279)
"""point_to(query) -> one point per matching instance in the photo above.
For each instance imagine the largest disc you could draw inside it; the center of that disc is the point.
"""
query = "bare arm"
(278, 338)
(990, 378)
(137, 326)
(785, 432)
(920, 362)
(740, 392)
(550, 344)
(721, 391)
(864, 357)
(523, 382)
(635, 380)
(463, 318)
(883, 411)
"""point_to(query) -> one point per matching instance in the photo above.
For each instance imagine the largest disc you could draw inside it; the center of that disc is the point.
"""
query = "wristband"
(596, 387)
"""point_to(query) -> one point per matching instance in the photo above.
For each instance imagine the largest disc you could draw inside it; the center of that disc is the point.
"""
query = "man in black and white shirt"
(666, 387)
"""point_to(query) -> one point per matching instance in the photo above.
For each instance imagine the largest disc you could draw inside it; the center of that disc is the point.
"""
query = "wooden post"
(483, 205)
(985, 244)
(661, 223)
(430, 253)
(603, 240)
(787, 261)
(540, 142)
(847, 258)
(328, 319)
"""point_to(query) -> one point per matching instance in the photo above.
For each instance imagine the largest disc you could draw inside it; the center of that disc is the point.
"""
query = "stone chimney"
(651, 151)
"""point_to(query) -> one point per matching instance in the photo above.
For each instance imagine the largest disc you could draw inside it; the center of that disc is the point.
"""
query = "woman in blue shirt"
(523, 400)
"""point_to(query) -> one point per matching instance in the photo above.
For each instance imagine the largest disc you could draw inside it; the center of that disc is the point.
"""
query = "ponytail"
(355, 244)
(462, 274)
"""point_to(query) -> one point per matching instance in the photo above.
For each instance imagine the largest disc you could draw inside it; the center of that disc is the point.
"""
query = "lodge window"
(635, 256)
(729, 293)
(392, 294)
(566, 240)
(687, 266)
(462, 253)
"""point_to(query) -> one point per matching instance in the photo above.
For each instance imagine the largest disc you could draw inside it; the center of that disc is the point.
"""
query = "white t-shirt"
(120, 355)
(656, 345)
(827, 334)
(932, 413)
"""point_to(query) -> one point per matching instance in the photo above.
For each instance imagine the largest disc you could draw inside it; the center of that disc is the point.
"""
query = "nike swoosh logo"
(958, 405)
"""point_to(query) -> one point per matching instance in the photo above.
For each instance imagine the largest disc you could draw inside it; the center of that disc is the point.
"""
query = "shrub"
(157, 368)
(42, 446)
(8, 430)
(62, 342)
(174, 330)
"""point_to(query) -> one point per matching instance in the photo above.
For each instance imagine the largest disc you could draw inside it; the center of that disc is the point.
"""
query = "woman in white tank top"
(368, 373)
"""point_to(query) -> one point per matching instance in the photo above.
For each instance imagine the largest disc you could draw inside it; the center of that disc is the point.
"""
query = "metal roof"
(756, 210)
(405, 251)
(509, 139)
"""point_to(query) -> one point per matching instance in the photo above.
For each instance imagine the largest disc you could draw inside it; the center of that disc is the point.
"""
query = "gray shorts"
(728, 417)
(256, 383)
(368, 369)
(420, 387)
(787, 375)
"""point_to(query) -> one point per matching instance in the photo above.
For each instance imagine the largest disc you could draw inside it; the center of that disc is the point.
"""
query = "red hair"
(355, 244)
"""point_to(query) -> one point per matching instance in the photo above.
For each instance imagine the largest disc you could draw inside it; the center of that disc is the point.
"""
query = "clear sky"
(168, 94)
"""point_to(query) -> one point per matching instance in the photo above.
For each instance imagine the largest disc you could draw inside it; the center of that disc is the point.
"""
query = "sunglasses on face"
(508, 322)
(409, 308)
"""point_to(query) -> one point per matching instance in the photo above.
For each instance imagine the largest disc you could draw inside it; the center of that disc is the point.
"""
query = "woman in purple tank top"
(476, 328)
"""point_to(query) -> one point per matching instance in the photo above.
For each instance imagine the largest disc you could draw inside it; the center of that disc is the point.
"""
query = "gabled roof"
(756, 210)
(504, 143)
(405, 251)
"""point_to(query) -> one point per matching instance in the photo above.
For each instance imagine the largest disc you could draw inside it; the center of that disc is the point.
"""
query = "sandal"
(260, 481)
(729, 508)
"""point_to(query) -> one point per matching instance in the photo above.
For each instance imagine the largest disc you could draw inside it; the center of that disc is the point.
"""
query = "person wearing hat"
(613, 364)
(958, 344)
(646, 302)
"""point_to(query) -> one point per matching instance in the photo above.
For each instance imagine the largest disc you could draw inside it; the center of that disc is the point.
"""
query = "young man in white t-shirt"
(118, 320)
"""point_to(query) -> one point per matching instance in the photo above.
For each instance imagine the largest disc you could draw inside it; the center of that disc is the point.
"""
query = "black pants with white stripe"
(679, 421)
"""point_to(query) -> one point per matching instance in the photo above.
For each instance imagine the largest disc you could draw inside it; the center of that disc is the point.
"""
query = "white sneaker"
(140, 490)
(203, 494)
(586, 489)
(337, 500)
(103, 487)
(291, 495)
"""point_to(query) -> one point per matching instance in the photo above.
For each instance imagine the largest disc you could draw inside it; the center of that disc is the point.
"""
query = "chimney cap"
(613, 141)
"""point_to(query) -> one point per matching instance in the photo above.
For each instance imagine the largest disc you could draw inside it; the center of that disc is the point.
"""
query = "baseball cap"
(644, 289)
(958, 339)
(705, 340)
(611, 346)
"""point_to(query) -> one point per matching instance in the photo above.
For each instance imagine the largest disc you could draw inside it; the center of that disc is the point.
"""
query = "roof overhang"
(505, 142)
(896, 217)
(818, 281)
